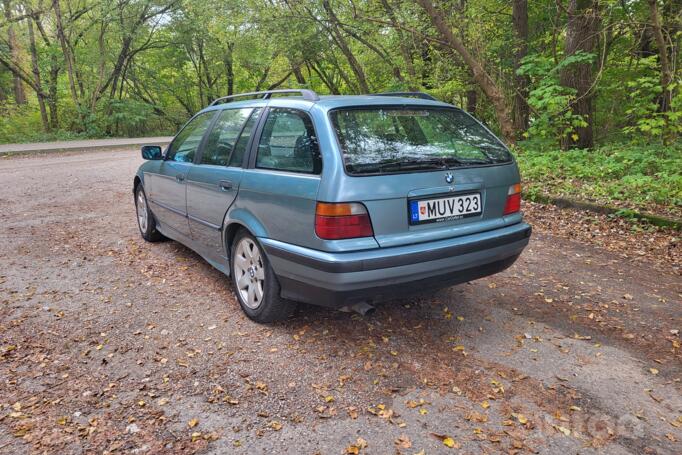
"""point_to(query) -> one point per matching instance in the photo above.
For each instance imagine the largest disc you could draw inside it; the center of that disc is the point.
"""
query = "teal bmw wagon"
(340, 201)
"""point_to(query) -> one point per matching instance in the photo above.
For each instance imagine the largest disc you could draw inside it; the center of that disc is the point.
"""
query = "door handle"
(179, 178)
(225, 185)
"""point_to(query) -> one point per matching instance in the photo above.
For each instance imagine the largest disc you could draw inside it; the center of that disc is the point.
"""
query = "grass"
(646, 178)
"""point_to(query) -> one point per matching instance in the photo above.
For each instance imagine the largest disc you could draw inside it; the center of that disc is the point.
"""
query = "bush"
(645, 177)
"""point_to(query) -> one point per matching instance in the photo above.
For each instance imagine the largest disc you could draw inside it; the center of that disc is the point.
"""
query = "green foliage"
(624, 175)
(552, 118)
(647, 122)
(126, 117)
(22, 124)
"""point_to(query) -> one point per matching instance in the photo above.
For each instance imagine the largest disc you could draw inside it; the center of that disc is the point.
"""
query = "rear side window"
(185, 145)
(223, 137)
(400, 139)
(288, 143)
(237, 158)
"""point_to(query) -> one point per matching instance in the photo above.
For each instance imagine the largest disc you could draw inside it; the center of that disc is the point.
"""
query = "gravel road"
(90, 144)
(111, 344)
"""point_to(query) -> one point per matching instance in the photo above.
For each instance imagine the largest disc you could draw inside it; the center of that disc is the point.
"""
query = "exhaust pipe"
(363, 308)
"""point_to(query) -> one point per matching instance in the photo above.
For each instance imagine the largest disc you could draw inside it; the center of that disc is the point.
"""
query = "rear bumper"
(338, 279)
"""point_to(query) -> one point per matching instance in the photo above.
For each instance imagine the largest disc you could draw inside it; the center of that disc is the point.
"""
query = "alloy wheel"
(142, 211)
(249, 272)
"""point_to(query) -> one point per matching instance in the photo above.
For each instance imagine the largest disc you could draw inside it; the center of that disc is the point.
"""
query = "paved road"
(59, 146)
(111, 343)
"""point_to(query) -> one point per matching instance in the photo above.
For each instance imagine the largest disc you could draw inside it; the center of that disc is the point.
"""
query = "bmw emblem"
(449, 178)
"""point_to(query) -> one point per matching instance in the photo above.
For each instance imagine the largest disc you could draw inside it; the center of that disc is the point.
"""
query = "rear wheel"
(145, 218)
(255, 282)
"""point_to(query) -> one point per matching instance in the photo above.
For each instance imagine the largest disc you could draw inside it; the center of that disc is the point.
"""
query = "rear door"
(424, 173)
(280, 187)
(213, 183)
(168, 186)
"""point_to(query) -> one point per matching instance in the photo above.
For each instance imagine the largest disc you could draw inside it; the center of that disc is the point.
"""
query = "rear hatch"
(424, 173)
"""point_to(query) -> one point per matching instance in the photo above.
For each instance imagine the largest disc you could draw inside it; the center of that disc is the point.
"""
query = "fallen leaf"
(476, 417)
(564, 430)
(403, 442)
(193, 423)
(275, 425)
(447, 440)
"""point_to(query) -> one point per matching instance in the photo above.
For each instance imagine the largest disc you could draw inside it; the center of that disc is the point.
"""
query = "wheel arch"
(137, 181)
(240, 219)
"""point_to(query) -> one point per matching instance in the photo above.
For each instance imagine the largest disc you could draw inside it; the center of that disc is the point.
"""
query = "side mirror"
(152, 152)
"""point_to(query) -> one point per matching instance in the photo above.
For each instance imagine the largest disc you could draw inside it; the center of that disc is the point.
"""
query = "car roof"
(336, 101)
(328, 102)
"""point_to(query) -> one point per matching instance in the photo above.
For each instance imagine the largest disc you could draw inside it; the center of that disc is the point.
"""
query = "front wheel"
(255, 282)
(145, 218)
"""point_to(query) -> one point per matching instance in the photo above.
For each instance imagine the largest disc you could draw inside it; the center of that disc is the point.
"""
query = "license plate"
(445, 209)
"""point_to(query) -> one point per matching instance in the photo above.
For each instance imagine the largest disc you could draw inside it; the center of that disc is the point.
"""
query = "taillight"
(342, 221)
(513, 203)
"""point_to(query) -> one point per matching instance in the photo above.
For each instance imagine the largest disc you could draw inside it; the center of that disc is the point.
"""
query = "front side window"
(185, 145)
(288, 143)
(223, 137)
(400, 139)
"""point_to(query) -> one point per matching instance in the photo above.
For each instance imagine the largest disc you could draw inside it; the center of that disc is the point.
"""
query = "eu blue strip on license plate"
(414, 211)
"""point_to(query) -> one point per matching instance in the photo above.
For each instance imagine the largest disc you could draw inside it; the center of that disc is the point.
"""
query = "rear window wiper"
(405, 165)
(413, 164)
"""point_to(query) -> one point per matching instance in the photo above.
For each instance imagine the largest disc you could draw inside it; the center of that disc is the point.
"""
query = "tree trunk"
(54, 76)
(666, 71)
(482, 78)
(404, 51)
(581, 35)
(67, 53)
(36, 75)
(229, 68)
(471, 96)
(52, 92)
(325, 78)
(15, 54)
(345, 49)
(521, 82)
(298, 74)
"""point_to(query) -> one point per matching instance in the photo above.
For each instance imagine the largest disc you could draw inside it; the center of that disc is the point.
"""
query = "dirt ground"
(109, 344)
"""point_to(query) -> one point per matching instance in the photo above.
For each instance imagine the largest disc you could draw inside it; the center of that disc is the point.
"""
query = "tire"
(255, 283)
(145, 218)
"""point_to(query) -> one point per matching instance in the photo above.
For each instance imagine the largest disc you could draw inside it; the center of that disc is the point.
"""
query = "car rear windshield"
(406, 139)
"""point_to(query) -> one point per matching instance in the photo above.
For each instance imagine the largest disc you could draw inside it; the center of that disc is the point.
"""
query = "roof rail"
(422, 95)
(307, 95)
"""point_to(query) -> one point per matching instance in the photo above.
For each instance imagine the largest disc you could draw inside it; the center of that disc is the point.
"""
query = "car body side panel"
(211, 190)
(282, 202)
(168, 195)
